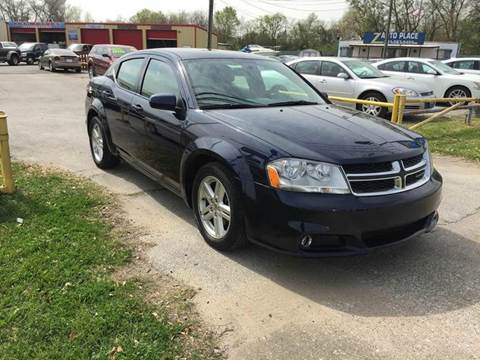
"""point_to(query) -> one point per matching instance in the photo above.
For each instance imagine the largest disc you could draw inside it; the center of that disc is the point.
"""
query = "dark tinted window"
(160, 79)
(129, 73)
(464, 64)
(420, 68)
(309, 67)
(393, 66)
(331, 69)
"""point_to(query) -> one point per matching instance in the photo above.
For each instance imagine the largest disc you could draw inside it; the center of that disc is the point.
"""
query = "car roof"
(462, 58)
(111, 45)
(189, 53)
(406, 59)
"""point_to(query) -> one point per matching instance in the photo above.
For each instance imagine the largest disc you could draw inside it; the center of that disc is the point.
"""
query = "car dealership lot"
(420, 300)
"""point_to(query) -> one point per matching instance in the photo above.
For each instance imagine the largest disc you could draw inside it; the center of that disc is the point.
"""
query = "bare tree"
(15, 10)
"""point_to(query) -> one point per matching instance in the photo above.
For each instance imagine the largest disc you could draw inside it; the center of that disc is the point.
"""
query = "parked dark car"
(80, 49)
(260, 155)
(31, 52)
(9, 53)
(54, 59)
(103, 55)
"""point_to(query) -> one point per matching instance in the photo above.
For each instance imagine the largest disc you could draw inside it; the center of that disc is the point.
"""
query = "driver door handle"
(137, 108)
(323, 81)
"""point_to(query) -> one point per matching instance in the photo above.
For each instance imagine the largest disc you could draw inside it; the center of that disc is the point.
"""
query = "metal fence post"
(5, 164)
(396, 107)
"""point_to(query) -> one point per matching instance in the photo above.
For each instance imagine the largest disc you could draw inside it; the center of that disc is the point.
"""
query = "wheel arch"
(364, 92)
(204, 151)
(457, 86)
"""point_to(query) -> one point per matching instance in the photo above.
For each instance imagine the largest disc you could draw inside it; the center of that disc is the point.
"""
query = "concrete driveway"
(418, 301)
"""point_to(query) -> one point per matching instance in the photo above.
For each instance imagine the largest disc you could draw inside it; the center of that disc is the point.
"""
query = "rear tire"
(78, 70)
(91, 72)
(30, 61)
(14, 60)
(373, 110)
(219, 211)
(101, 154)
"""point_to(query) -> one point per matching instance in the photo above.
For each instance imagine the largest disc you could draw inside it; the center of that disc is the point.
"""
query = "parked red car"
(103, 55)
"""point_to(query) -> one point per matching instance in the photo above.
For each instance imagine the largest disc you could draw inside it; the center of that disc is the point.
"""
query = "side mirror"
(164, 102)
(343, 76)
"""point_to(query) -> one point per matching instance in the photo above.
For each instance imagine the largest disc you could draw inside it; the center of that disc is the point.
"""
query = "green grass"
(451, 136)
(57, 298)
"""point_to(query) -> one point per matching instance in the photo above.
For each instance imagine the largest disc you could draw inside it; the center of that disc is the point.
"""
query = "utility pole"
(387, 31)
(210, 24)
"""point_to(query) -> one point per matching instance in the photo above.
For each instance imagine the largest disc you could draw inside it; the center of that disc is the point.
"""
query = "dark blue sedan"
(260, 155)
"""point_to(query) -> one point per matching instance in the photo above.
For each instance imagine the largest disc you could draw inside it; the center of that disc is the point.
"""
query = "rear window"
(7, 44)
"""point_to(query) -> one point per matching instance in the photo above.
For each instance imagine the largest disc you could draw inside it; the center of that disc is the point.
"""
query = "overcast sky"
(327, 10)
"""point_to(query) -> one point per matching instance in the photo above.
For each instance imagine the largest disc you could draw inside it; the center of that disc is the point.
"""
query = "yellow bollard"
(5, 162)
(401, 108)
(396, 107)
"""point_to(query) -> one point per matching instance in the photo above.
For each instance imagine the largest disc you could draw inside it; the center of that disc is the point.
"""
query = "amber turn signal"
(273, 177)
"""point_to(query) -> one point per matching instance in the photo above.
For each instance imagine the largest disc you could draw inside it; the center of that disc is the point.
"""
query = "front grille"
(368, 168)
(427, 93)
(410, 162)
(413, 178)
(364, 187)
(387, 177)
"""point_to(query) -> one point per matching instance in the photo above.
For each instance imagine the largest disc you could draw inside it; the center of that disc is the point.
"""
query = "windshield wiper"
(294, 102)
(220, 95)
(230, 106)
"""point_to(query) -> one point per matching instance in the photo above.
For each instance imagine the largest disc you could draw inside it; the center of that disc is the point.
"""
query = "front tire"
(101, 154)
(217, 207)
(371, 109)
(51, 67)
(14, 60)
(30, 61)
(91, 72)
(457, 92)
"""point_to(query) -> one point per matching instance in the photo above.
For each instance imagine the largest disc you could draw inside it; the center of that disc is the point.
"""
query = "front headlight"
(427, 156)
(404, 91)
(307, 176)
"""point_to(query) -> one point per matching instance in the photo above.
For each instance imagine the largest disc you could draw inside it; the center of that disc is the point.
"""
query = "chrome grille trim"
(399, 174)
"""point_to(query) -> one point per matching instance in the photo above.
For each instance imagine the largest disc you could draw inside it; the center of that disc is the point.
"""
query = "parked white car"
(465, 65)
(354, 78)
(444, 80)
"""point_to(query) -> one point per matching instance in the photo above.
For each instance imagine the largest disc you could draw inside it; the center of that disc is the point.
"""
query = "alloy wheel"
(97, 142)
(214, 207)
(371, 109)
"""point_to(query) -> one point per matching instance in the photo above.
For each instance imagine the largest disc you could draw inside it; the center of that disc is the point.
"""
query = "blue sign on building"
(399, 38)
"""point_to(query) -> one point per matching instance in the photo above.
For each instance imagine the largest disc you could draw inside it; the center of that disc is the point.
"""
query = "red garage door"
(128, 37)
(95, 36)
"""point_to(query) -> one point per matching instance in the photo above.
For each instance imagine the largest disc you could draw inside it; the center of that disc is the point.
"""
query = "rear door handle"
(323, 81)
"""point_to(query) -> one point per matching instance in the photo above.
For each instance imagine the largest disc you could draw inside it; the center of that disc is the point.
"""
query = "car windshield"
(119, 51)
(363, 70)
(443, 67)
(26, 46)
(242, 83)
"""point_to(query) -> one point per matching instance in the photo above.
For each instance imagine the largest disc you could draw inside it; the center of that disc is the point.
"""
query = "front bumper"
(340, 224)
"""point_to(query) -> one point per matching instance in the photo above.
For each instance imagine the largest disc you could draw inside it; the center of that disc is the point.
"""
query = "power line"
(290, 8)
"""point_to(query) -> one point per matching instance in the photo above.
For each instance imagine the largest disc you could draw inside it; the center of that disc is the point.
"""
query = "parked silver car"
(469, 65)
(354, 78)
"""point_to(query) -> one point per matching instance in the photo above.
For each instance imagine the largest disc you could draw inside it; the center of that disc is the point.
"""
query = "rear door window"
(308, 67)
(129, 73)
(420, 68)
(464, 64)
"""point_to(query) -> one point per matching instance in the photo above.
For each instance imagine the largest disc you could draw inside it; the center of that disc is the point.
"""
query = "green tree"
(146, 16)
(272, 27)
(226, 23)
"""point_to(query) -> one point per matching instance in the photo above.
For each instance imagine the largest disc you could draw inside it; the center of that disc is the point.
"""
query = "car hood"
(324, 133)
(392, 82)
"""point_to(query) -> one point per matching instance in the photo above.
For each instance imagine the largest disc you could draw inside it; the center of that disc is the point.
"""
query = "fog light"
(306, 241)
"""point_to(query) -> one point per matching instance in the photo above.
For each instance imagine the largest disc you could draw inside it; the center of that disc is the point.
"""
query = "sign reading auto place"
(401, 38)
